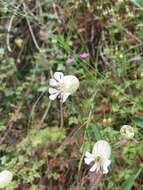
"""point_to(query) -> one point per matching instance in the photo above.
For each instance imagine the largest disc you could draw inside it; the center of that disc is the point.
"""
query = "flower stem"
(95, 179)
(45, 114)
(61, 114)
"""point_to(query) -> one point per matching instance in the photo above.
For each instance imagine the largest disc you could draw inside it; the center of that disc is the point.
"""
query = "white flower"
(127, 131)
(62, 86)
(99, 157)
(5, 178)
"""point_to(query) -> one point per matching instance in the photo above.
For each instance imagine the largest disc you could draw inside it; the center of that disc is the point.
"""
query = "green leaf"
(127, 185)
(138, 3)
(96, 131)
(138, 121)
(86, 146)
(43, 136)
(1, 51)
(43, 89)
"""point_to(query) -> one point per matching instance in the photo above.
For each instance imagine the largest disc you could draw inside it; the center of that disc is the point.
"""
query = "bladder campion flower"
(62, 86)
(99, 157)
(5, 178)
(127, 131)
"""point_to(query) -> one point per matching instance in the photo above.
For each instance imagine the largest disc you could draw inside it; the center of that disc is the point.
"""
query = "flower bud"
(127, 131)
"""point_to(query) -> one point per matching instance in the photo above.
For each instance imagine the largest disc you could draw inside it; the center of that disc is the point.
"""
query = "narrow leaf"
(138, 121)
(138, 3)
(96, 131)
(127, 185)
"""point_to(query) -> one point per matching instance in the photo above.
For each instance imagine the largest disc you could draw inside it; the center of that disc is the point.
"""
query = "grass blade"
(138, 3)
(127, 185)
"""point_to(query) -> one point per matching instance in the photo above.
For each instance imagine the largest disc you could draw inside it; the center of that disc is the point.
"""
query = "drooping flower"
(5, 178)
(127, 131)
(84, 55)
(99, 158)
(69, 60)
(62, 86)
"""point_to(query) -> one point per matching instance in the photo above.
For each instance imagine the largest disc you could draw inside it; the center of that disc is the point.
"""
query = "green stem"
(61, 114)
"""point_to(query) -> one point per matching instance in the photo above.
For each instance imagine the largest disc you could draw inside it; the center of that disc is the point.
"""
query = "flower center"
(62, 87)
(98, 159)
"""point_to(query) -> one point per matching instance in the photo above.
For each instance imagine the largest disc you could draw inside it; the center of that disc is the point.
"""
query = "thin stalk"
(61, 114)
(45, 113)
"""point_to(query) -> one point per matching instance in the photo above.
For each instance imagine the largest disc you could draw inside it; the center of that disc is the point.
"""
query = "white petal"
(88, 160)
(102, 148)
(52, 90)
(105, 169)
(105, 166)
(107, 162)
(88, 154)
(93, 168)
(5, 178)
(58, 75)
(53, 82)
(53, 96)
(64, 97)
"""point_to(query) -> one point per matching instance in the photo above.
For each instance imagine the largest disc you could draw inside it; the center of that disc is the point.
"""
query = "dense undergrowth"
(37, 37)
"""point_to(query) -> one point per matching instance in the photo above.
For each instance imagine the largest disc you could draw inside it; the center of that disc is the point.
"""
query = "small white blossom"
(5, 178)
(99, 157)
(127, 131)
(62, 86)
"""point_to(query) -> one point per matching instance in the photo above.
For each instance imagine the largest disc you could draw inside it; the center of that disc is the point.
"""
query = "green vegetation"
(37, 37)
